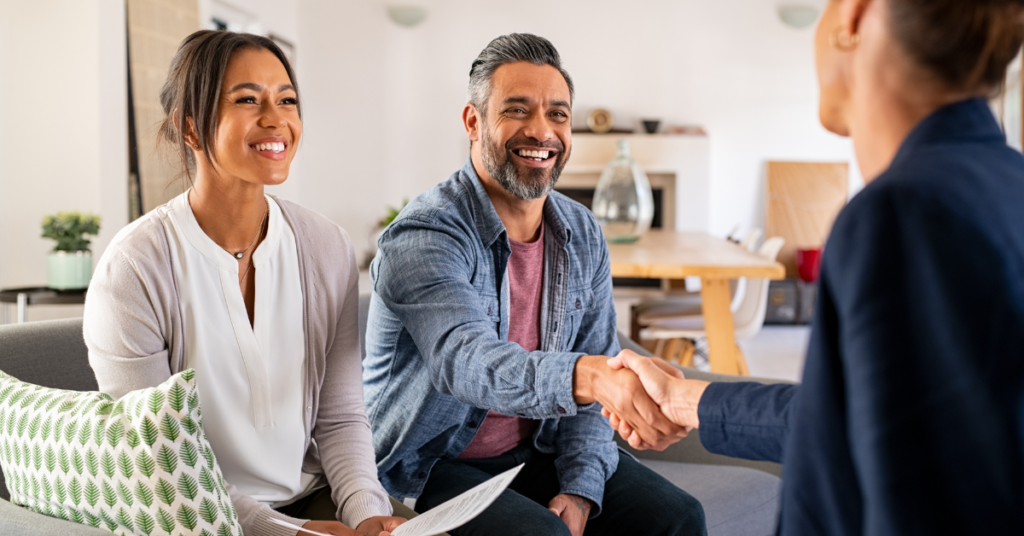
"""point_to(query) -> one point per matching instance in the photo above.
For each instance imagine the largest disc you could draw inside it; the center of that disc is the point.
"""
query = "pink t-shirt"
(499, 433)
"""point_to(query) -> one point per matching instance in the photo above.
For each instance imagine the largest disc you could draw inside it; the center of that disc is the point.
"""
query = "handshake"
(647, 400)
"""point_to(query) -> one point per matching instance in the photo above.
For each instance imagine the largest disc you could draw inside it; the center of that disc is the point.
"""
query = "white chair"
(672, 333)
(689, 303)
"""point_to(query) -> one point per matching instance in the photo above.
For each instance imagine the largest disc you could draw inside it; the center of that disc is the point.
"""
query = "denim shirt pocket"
(578, 302)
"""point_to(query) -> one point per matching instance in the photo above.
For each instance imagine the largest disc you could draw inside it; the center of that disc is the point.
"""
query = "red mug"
(808, 263)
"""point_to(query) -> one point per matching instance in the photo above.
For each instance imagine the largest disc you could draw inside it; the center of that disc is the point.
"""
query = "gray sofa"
(740, 498)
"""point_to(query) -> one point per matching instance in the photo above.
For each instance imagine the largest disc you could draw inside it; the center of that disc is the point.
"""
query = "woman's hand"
(379, 526)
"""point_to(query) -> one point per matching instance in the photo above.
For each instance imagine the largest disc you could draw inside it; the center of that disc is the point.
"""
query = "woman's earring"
(843, 41)
(196, 146)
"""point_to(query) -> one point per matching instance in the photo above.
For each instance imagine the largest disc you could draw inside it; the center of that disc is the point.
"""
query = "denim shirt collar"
(490, 225)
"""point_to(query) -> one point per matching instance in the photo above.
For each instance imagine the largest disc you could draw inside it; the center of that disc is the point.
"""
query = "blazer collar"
(965, 121)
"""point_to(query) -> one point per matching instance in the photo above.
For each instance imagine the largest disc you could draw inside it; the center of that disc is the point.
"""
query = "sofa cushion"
(140, 464)
(51, 353)
(738, 501)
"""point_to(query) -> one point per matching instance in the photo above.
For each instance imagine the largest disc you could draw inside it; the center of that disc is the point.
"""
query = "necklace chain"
(239, 255)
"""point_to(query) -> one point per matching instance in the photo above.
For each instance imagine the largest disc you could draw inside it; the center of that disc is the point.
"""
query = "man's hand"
(379, 526)
(621, 392)
(574, 511)
(676, 396)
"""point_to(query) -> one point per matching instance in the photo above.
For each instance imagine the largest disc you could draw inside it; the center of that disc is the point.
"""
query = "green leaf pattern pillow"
(138, 465)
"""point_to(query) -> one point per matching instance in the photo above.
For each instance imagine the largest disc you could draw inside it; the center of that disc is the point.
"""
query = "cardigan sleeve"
(342, 430)
(122, 329)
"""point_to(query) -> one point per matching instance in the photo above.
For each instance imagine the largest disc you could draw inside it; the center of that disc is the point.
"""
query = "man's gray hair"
(507, 49)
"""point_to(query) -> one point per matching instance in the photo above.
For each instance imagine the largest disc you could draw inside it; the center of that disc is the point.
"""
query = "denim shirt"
(437, 350)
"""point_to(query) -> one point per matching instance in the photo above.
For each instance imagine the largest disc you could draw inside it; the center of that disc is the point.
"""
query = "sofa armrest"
(690, 449)
(18, 521)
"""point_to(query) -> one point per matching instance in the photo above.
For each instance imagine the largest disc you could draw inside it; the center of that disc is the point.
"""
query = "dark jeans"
(636, 499)
(320, 507)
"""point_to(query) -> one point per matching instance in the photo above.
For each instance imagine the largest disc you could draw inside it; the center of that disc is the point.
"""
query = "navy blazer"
(911, 413)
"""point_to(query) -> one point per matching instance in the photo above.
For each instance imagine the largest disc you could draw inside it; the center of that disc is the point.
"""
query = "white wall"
(63, 125)
(383, 103)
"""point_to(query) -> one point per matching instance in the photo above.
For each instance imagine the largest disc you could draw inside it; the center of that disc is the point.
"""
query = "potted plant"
(70, 262)
(375, 232)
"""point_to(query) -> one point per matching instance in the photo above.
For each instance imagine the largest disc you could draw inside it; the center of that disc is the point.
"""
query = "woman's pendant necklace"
(259, 232)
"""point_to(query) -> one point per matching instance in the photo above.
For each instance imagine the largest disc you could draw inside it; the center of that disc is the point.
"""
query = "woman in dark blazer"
(910, 419)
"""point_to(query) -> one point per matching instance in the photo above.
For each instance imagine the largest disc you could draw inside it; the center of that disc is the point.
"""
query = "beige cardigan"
(133, 329)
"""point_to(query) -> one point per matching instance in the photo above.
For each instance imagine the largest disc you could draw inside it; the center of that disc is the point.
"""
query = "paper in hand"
(456, 512)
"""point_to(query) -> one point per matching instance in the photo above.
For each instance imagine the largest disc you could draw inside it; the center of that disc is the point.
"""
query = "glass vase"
(623, 202)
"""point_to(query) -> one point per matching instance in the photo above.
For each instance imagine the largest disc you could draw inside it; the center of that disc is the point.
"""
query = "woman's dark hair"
(966, 44)
(193, 85)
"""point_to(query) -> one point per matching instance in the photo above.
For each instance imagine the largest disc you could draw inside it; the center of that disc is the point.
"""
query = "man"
(490, 326)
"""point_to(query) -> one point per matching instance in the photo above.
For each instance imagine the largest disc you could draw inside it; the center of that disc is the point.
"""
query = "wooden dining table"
(662, 254)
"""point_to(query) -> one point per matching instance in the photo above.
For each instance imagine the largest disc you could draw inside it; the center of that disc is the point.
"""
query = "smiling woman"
(258, 295)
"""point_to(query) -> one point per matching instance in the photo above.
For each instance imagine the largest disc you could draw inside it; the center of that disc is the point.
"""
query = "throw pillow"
(138, 465)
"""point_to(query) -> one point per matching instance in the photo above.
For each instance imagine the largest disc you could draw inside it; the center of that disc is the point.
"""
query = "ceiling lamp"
(408, 16)
(798, 16)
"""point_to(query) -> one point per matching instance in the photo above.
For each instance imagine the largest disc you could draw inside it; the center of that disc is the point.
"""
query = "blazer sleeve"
(746, 420)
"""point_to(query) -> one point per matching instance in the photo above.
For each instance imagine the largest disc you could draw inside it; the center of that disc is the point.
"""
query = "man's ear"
(472, 122)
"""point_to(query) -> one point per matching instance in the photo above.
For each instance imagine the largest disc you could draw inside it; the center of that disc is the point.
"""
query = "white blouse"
(249, 378)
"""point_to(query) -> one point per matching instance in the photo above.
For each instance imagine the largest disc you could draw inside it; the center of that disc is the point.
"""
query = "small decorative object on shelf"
(377, 230)
(623, 202)
(70, 262)
(651, 125)
(599, 120)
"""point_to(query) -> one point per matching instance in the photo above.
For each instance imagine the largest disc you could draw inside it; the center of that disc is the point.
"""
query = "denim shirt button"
(488, 310)
(423, 474)
(561, 409)
(578, 304)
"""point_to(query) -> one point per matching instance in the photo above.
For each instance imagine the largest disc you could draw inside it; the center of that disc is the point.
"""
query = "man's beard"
(530, 183)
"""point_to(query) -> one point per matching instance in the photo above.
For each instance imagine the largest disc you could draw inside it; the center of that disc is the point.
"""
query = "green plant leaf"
(189, 453)
(224, 530)
(69, 229)
(63, 461)
(107, 464)
(155, 401)
(167, 459)
(118, 409)
(145, 463)
(125, 465)
(34, 486)
(29, 399)
(16, 452)
(18, 395)
(125, 520)
(52, 403)
(208, 510)
(76, 516)
(187, 486)
(143, 494)
(176, 397)
(37, 457)
(187, 517)
(144, 522)
(6, 392)
(92, 520)
(148, 432)
(59, 490)
(23, 424)
(109, 495)
(165, 520)
(99, 432)
(169, 427)
(193, 401)
(26, 453)
(75, 491)
(33, 428)
(205, 532)
(50, 458)
(207, 453)
(91, 493)
(125, 493)
(115, 432)
(164, 491)
(132, 438)
(12, 419)
(91, 463)
(206, 480)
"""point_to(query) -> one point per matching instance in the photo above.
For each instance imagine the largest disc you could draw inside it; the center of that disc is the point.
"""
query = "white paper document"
(456, 512)
(449, 515)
